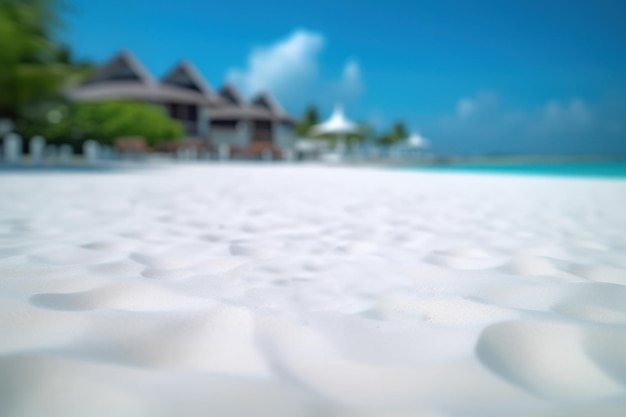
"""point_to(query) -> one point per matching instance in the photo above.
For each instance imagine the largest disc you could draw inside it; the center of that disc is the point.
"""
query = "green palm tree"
(31, 62)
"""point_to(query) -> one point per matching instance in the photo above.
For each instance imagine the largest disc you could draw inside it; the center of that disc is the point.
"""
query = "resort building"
(221, 117)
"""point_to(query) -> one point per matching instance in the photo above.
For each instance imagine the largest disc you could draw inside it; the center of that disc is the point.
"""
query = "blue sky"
(481, 76)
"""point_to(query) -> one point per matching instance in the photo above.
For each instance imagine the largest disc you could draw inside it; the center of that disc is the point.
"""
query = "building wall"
(190, 115)
(242, 134)
(204, 123)
(238, 135)
(283, 136)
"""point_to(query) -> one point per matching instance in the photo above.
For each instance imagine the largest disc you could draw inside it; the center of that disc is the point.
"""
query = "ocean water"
(616, 169)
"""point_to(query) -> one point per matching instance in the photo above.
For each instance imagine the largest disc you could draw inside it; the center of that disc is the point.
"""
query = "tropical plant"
(309, 119)
(105, 121)
(395, 134)
(30, 68)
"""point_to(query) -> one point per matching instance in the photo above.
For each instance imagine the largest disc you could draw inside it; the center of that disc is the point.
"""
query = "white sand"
(311, 291)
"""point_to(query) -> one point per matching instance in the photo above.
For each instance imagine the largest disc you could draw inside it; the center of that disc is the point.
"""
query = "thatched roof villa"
(216, 117)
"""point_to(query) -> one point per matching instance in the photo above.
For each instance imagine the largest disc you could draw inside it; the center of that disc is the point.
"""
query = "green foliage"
(397, 133)
(31, 65)
(105, 121)
(363, 132)
(309, 119)
(366, 131)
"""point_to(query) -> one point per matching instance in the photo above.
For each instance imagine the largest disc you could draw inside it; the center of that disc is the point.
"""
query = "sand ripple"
(132, 297)
(546, 358)
(599, 303)
(309, 291)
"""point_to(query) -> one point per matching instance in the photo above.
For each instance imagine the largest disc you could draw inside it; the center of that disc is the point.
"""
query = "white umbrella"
(416, 141)
(337, 124)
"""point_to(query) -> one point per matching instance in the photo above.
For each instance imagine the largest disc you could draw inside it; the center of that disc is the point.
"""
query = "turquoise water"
(616, 169)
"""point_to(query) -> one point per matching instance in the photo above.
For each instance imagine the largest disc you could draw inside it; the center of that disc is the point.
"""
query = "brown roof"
(187, 72)
(124, 65)
(246, 112)
(231, 95)
(133, 90)
(266, 100)
(124, 77)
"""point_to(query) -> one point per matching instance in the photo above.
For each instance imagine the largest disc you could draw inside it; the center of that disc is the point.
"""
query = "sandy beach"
(278, 290)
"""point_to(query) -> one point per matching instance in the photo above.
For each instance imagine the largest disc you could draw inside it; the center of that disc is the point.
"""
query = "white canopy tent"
(337, 124)
(416, 141)
(412, 145)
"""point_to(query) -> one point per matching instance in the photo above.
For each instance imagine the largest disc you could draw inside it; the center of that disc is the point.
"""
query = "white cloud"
(346, 89)
(481, 124)
(351, 84)
(290, 70)
(477, 108)
(285, 68)
(465, 107)
(574, 114)
(376, 119)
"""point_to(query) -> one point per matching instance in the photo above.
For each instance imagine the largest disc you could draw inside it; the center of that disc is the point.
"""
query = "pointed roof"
(124, 77)
(232, 95)
(267, 101)
(123, 67)
(337, 123)
(185, 75)
(234, 106)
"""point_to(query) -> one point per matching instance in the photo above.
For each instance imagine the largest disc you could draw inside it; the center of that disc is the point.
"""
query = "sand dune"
(259, 290)
(546, 358)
